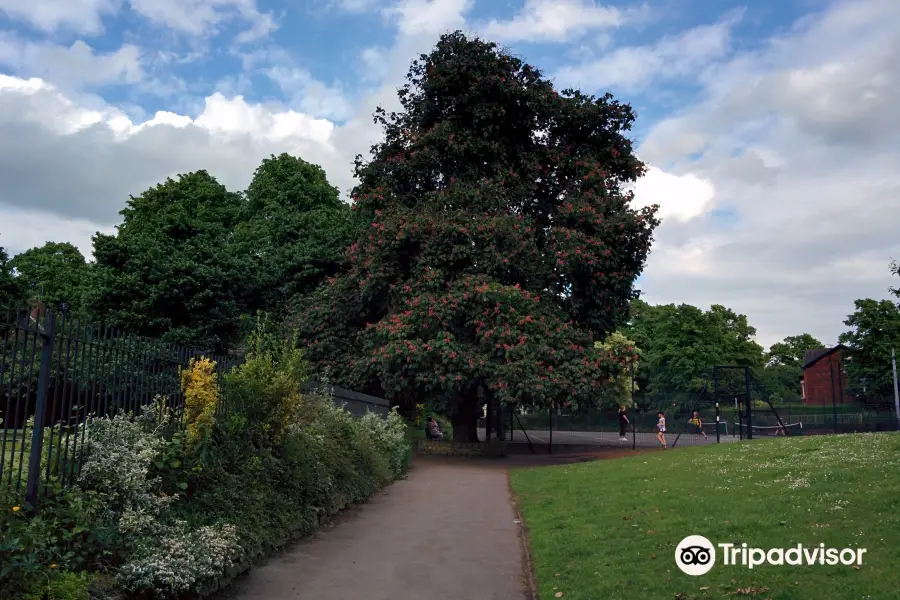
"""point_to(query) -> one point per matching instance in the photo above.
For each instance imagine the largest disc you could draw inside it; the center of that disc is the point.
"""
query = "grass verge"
(609, 529)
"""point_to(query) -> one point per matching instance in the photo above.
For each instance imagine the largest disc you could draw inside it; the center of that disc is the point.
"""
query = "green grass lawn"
(609, 529)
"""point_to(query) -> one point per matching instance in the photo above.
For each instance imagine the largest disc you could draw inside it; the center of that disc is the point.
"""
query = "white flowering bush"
(118, 453)
(179, 560)
(163, 554)
(389, 436)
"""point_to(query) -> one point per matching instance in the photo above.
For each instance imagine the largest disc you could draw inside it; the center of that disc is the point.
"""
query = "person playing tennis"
(698, 424)
(661, 429)
(623, 423)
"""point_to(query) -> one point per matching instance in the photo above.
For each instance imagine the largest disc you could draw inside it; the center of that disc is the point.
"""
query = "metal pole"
(37, 434)
(550, 445)
(716, 398)
(896, 392)
(749, 403)
(833, 398)
(717, 422)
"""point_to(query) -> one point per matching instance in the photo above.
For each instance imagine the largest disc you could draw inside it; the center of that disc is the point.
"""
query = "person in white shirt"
(661, 429)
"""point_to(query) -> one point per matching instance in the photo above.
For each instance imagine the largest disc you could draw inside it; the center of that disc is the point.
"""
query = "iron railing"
(57, 373)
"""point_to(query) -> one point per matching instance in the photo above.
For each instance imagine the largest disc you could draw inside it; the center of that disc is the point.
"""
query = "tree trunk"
(465, 420)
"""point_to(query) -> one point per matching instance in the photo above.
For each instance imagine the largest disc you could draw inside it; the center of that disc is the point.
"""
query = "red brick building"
(824, 378)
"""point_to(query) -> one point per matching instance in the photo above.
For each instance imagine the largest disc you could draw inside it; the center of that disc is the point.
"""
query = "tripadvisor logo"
(695, 555)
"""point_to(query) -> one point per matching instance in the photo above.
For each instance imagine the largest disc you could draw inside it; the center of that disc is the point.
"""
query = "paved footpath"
(446, 533)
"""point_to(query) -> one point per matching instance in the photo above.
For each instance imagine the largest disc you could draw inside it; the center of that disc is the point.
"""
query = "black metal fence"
(355, 403)
(562, 430)
(722, 411)
(57, 373)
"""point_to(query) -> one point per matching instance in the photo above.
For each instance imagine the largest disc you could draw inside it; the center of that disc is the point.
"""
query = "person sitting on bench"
(433, 430)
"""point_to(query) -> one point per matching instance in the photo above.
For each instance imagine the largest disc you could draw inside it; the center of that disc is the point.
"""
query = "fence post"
(749, 403)
(550, 445)
(633, 436)
(37, 434)
(717, 421)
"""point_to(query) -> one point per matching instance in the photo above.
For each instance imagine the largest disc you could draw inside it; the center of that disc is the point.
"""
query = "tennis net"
(770, 430)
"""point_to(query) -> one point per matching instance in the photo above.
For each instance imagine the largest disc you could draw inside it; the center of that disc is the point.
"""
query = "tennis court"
(610, 438)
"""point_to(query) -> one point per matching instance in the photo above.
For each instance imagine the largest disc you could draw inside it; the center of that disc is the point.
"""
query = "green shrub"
(64, 585)
(70, 533)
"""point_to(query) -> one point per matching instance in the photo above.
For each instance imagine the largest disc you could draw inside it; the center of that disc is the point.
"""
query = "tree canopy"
(56, 273)
(8, 289)
(169, 271)
(294, 230)
(499, 244)
(790, 351)
(681, 344)
(779, 381)
(875, 330)
(620, 391)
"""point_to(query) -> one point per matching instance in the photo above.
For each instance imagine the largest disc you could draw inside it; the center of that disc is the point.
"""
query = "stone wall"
(494, 448)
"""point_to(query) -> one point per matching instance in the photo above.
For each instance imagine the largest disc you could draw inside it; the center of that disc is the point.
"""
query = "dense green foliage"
(7, 281)
(499, 243)
(680, 345)
(168, 271)
(875, 331)
(620, 392)
(56, 273)
(294, 230)
(790, 351)
(779, 381)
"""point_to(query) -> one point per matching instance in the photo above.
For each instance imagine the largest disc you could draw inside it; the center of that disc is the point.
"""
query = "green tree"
(56, 273)
(8, 287)
(681, 344)
(169, 270)
(779, 381)
(790, 351)
(499, 245)
(619, 392)
(874, 332)
(295, 230)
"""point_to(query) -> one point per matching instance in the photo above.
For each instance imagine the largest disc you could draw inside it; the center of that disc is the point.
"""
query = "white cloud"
(23, 229)
(202, 17)
(71, 66)
(634, 67)
(79, 163)
(417, 18)
(799, 141)
(356, 6)
(309, 95)
(679, 197)
(556, 21)
(81, 16)
(192, 17)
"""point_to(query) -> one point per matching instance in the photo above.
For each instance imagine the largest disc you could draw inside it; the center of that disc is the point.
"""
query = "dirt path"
(446, 533)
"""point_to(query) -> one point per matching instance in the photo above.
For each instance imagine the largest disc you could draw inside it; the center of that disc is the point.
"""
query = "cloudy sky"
(772, 128)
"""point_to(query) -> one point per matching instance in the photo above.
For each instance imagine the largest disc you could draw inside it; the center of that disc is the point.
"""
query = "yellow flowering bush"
(201, 395)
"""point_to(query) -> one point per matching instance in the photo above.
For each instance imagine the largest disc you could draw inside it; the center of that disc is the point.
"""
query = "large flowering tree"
(497, 245)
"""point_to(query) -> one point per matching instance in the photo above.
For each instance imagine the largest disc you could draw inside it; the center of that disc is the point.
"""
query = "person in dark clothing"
(433, 430)
(623, 423)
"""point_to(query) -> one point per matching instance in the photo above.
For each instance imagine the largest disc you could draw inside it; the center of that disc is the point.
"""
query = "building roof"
(811, 357)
